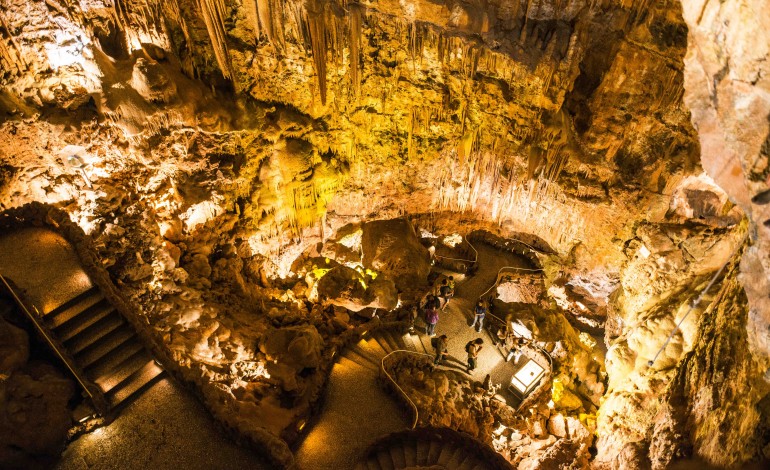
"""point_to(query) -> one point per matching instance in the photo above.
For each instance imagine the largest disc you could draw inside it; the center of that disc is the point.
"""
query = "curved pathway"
(168, 425)
(456, 319)
(356, 409)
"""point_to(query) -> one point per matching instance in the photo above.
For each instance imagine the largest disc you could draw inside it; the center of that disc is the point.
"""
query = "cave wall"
(225, 138)
(460, 106)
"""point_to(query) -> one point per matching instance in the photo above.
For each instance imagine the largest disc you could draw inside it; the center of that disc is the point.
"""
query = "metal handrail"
(51, 343)
(411, 403)
(500, 271)
(496, 283)
(473, 261)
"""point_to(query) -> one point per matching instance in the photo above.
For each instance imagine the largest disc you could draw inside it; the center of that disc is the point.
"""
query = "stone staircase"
(104, 346)
(357, 409)
(366, 356)
(430, 448)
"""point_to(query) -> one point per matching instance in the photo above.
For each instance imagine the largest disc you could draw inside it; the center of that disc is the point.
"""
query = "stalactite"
(252, 13)
(214, 17)
(15, 59)
(317, 28)
(354, 41)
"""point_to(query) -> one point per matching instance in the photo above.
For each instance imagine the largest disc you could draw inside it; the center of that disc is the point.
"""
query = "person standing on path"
(431, 316)
(441, 349)
(479, 314)
(473, 348)
(446, 292)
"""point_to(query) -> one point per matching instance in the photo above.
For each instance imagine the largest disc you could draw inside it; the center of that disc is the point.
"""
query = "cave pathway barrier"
(96, 397)
(386, 374)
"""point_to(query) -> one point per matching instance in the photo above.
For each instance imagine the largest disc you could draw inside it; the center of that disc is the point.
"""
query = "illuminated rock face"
(226, 139)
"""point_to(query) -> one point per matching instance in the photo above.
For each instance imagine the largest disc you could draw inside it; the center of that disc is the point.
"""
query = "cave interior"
(266, 234)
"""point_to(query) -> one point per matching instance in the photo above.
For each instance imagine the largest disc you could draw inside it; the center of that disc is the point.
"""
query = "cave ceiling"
(515, 112)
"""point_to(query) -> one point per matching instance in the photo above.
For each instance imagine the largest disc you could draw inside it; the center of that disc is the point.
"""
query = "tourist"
(441, 349)
(516, 345)
(479, 314)
(431, 316)
(445, 292)
(473, 348)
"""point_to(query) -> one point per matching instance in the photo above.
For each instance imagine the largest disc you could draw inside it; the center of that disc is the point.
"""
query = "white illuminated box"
(526, 378)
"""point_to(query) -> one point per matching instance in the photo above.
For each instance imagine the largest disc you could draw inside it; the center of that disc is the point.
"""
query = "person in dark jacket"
(446, 292)
(441, 349)
(473, 348)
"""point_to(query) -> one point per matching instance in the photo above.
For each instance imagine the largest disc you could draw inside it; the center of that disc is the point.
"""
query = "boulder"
(298, 346)
(393, 248)
(346, 287)
(36, 417)
(14, 348)
(557, 425)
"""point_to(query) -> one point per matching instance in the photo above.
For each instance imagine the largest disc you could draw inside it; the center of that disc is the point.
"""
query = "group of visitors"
(435, 303)
(473, 348)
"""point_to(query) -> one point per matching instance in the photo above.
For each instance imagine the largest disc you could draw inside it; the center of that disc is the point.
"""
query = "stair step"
(416, 343)
(73, 307)
(94, 333)
(457, 457)
(425, 344)
(123, 370)
(358, 367)
(373, 348)
(399, 338)
(385, 460)
(106, 364)
(397, 456)
(410, 453)
(80, 322)
(433, 452)
(446, 455)
(134, 383)
(105, 345)
(423, 447)
(358, 354)
(469, 463)
(387, 341)
(409, 342)
(373, 464)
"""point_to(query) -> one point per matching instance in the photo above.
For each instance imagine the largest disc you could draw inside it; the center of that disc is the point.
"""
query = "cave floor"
(166, 427)
(456, 319)
(44, 265)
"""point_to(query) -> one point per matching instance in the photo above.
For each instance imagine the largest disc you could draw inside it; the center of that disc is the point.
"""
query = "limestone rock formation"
(226, 146)
(392, 247)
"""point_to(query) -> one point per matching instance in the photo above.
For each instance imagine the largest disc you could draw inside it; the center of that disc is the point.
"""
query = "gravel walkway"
(165, 428)
(456, 319)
